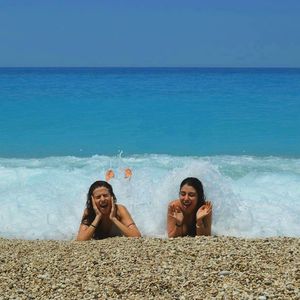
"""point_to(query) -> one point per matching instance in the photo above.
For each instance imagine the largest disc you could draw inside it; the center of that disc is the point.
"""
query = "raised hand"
(176, 213)
(113, 212)
(96, 209)
(204, 210)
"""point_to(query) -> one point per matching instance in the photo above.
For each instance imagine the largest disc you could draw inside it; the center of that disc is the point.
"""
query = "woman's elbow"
(171, 234)
(136, 234)
(206, 233)
(81, 238)
(132, 234)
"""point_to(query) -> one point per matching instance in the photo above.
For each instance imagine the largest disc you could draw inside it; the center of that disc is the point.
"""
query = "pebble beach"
(151, 268)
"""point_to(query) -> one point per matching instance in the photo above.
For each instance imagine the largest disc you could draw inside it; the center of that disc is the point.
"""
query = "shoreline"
(151, 268)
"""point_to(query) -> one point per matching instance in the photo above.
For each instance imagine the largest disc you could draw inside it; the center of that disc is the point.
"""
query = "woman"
(103, 218)
(190, 214)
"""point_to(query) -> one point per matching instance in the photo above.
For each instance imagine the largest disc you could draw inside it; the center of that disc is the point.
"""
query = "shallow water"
(252, 197)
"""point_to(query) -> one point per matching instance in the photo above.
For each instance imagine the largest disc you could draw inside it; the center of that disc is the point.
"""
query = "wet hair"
(90, 215)
(197, 185)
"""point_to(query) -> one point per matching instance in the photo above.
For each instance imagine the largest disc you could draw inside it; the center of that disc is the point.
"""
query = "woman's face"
(103, 199)
(188, 198)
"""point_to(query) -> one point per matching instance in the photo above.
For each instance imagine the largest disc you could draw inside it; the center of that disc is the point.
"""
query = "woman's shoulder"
(121, 209)
(122, 212)
(121, 206)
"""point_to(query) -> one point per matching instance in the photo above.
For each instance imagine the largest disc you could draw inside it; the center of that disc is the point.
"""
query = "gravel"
(151, 268)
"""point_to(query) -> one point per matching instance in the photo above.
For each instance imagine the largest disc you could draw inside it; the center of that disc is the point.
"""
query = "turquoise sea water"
(235, 129)
(82, 112)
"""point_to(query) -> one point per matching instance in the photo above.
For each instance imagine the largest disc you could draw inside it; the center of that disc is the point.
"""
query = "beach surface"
(151, 268)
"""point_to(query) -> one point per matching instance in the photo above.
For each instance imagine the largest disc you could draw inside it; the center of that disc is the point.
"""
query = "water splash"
(252, 197)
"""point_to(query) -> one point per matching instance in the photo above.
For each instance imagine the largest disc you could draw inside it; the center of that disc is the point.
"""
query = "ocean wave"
(252, 196)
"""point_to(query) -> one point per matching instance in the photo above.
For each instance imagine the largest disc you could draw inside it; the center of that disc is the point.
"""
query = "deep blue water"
(86, 111)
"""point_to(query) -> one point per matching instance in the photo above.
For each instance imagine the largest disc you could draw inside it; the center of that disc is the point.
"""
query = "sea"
(236, 129)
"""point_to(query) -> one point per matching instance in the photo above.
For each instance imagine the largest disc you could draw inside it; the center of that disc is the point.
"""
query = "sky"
(153, 33)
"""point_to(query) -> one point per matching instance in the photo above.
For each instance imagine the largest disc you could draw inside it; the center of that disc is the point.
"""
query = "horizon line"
(149, 67)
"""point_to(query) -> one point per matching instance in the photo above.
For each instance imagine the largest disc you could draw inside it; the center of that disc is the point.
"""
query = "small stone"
(224, 273)
(262, 297)
(43, 276)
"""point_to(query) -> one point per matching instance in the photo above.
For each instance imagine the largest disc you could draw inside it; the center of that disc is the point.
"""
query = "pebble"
(150, 268)
(224, 273)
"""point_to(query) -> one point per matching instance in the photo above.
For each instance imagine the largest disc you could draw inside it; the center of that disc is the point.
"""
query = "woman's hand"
(113, 212)
(176, 213)
(204, 211)
(96, 209)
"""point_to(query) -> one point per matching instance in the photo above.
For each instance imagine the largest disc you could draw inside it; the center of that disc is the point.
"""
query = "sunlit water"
(252, 197)
(235, 129)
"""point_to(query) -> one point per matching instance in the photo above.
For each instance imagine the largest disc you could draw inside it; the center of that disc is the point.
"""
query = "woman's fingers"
(209, 208)
(175, 212)
(93, 202)
(96, 209)
(208, 205)
(179, 213)
(202, 207)
(178, 210)
(171, 211)
(113, 211)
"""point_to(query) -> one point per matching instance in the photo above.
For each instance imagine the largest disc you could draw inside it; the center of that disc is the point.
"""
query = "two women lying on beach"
(189, 215)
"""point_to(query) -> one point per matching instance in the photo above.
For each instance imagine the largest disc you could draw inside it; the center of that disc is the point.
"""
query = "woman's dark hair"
(197, 185)
(90, 215)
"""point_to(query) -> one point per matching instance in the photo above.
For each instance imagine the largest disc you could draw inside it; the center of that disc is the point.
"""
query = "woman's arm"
(174, 221)
(86, 232)
(204, 219)
(126, 223)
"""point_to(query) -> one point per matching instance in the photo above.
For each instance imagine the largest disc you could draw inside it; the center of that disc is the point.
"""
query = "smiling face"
(103, 199)
(188, 198)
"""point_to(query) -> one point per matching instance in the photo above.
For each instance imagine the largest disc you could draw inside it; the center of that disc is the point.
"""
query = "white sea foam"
(252, 197)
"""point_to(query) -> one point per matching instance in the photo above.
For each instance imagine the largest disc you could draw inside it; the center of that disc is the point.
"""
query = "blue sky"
(153, 33)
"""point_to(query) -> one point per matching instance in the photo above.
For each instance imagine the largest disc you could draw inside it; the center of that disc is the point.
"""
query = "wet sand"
(150, 268)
